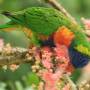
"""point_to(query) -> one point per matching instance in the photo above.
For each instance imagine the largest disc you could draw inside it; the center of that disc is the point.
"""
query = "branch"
(9, 55)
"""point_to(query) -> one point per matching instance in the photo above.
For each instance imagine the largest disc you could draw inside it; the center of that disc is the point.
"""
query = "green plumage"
(46, 21)
(39, 19)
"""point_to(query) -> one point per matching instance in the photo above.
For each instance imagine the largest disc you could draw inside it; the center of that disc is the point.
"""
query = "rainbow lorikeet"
(45, 22)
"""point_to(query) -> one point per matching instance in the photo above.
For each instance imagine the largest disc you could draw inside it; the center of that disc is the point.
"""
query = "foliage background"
(78, 9)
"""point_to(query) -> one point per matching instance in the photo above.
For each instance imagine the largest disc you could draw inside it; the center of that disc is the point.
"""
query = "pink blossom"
(86, 22)
(47, 64)
(55, 62)
(51, 79)
(62, 56)
(46, 59)
(1, 44)
(62, 51)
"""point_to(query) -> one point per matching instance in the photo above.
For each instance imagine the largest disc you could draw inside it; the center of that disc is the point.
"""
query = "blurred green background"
(77, 8)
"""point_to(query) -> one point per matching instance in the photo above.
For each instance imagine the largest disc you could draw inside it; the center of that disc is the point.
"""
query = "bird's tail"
(10, 24)
(7, 25)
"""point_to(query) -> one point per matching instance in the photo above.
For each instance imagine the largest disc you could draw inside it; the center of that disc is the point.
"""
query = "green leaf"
(32, 78)
(19, 85)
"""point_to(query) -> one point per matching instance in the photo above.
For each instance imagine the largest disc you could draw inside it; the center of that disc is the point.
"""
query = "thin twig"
(73, 86)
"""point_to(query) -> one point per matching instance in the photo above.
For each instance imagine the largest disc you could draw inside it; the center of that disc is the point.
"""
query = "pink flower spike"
(86, 22)
(62, 57)
(1, 44)
(46, 59)
(51, 79)
(62, 51)
(47, 64)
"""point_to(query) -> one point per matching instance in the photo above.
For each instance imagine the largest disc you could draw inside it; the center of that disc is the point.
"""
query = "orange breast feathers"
(63, 36)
